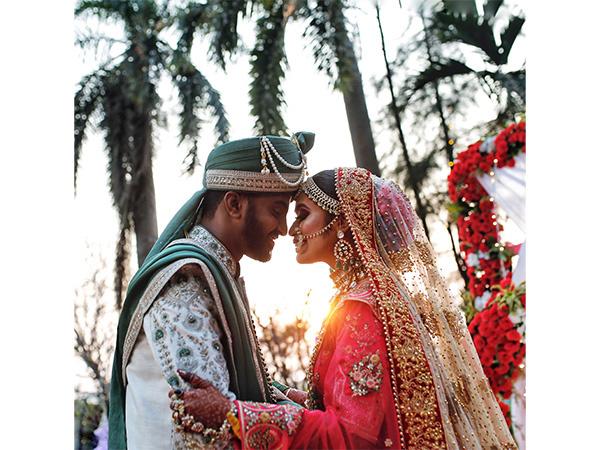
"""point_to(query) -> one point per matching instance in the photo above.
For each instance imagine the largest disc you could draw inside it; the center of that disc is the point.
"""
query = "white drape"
(507, 187)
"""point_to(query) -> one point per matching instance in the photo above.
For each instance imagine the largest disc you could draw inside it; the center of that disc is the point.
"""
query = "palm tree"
(120, 99)
(328, 35)
(413, 181)
(458, 23)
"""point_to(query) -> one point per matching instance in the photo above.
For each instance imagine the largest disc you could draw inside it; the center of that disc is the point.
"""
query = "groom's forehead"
(275, 199)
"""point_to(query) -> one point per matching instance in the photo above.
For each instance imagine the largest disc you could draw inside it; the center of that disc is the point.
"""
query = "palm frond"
(104, 9)
(435, 72)
(491, 7)
(224, 24)
(467, 29)
(194, 17)
(330, 44)
(267, 63)
(461, 6)
(117, 125)
(196, 94)
(92, 42)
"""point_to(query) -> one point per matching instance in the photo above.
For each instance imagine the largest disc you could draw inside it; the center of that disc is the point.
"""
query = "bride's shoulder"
(361, 293)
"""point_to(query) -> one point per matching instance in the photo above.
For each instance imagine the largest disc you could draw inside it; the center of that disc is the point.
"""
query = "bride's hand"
(296, 395)
(204, 402)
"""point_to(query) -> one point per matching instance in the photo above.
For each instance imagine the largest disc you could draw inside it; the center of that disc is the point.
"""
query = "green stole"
(244, 380)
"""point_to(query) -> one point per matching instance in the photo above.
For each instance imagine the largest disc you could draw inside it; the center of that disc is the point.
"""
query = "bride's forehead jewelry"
(315, 193)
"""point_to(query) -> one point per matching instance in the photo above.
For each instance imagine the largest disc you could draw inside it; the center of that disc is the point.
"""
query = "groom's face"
(264, 221)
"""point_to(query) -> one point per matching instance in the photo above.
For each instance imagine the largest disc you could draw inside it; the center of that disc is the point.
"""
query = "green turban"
(259, 164)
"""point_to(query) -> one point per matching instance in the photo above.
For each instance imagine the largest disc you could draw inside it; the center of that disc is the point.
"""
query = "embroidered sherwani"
(182, 329)
(156, 335)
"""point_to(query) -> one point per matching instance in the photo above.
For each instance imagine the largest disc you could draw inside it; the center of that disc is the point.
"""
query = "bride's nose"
(292, 229)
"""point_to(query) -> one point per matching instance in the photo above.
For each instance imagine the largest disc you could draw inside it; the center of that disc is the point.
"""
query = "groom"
(186, 307)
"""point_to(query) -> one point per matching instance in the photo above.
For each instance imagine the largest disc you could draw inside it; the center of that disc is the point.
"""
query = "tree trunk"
(144, 217)
(358, 116)
(144, 207)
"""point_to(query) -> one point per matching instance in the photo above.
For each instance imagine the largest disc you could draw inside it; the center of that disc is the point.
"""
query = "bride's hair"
(326, 182)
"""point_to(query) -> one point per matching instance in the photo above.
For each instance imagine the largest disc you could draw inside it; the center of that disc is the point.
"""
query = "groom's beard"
(258, 240)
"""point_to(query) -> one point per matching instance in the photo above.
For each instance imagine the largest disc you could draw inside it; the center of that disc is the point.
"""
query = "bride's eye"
(301, 216)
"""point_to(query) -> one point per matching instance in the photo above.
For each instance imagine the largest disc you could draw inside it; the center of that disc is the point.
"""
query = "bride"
(394, 365)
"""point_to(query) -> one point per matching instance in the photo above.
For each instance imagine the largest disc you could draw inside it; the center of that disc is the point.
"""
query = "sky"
(281, 285)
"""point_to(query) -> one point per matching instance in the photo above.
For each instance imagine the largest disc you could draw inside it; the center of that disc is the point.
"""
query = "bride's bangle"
(223, 434)
(234, 423)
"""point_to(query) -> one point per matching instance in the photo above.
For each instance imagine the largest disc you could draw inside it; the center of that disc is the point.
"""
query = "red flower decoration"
(497, 339)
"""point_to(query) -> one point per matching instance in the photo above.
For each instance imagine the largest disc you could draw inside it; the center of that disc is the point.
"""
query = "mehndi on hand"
(203, 404)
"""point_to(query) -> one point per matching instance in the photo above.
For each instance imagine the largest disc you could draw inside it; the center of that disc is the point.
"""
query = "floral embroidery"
(366, 375)
(267, 426)
(185, 332)
(388, 442)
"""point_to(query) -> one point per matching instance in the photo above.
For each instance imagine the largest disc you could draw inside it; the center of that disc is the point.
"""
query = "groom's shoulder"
(190, 273)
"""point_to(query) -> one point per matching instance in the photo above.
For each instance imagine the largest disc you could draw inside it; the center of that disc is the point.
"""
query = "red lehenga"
(395, 366)
(351, 393)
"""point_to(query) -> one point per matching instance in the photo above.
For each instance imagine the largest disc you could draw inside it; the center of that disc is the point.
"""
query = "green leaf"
(433, 73)
(267, 63)
(455, 210)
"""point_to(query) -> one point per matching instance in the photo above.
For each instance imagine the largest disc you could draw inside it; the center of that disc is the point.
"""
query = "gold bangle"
(231, 417)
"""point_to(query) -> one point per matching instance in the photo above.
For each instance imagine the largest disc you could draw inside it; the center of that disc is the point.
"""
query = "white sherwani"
(179, 332)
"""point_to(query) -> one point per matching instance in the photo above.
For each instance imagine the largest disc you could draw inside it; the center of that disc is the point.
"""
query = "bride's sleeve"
(358, 404)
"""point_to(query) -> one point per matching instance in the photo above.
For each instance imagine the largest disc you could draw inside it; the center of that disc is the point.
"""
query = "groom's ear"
(234, 204)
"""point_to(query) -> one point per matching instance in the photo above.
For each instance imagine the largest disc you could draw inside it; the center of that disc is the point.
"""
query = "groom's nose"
(282, 226)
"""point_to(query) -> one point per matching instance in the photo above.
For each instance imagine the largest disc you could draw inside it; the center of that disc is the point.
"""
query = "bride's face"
(310, 218)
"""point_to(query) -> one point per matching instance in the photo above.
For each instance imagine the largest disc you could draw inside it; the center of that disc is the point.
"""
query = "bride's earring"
(342, 251)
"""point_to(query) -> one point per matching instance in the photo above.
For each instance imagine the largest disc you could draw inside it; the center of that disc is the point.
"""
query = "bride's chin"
(301, 257)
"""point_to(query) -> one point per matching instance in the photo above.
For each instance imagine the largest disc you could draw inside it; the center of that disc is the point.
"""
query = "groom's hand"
(204, 402)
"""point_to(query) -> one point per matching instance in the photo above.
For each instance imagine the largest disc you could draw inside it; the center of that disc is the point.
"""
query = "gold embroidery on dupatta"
(417, 411)
(401, 259)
